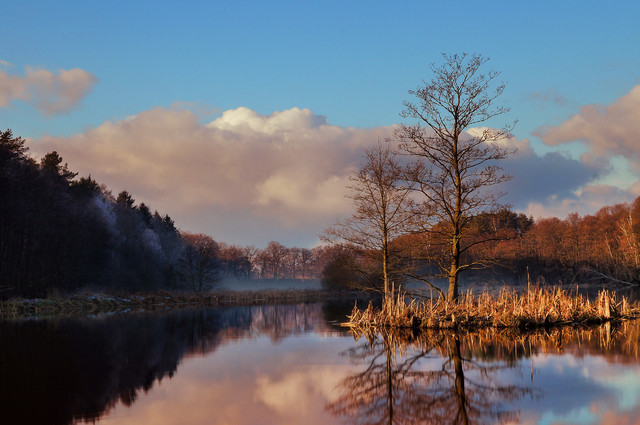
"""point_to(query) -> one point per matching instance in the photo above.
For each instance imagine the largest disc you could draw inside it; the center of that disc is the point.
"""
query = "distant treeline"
(61, 233)
(600, 248)
(603, 247)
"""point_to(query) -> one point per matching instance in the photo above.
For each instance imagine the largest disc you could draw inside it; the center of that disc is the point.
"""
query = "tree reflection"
(59, 372)
(427, 380)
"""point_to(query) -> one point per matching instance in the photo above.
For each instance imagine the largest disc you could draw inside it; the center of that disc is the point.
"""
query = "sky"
(244, 119)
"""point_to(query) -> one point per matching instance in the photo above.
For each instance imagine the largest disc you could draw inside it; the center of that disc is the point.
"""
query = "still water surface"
(292, 364)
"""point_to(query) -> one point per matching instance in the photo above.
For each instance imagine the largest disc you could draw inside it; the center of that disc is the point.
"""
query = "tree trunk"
(388, 294)
(453, 283)
(453, 271)
(385, 274)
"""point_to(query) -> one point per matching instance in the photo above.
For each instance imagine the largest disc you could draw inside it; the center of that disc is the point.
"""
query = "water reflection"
(292, 364)
(481, 377)
(69, 370)
(424, 379)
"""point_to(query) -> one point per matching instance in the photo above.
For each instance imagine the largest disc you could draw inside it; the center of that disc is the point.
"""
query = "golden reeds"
(508, 309)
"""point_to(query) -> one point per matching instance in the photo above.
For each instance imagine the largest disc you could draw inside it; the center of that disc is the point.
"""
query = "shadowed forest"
(61, 233)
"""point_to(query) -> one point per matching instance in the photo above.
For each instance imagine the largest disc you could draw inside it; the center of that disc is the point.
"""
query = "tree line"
(601, 248)
(62, 233)
(212, 261)
(426, 208)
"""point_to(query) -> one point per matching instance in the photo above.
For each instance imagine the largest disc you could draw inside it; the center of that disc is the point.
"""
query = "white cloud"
(610, 135)
(242, 119)
(50, 93)
(586, 200)
(250, 178)
(607, 131)
(285, 172)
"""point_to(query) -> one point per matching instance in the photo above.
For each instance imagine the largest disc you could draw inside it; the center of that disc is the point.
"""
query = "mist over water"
(269, 284)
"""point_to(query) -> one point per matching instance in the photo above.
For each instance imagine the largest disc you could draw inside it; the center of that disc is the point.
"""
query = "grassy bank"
(535, 308)
(93, 303)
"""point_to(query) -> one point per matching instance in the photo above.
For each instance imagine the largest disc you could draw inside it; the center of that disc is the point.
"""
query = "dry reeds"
(508, 309)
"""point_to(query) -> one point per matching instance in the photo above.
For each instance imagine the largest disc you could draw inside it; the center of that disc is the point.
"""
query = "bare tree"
(382, 211)
(275, 254)
(306, 262)
(456, 167)
(294, 258)
(200, 261)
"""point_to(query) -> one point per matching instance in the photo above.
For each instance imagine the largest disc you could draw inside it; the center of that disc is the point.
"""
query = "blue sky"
(349, 62)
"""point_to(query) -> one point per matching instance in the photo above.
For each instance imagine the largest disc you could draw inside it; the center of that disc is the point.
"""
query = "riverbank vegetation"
(537, 307)
(100, 303)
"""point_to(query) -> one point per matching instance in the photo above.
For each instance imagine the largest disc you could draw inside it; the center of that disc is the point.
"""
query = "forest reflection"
(73, 370)
(453, 378)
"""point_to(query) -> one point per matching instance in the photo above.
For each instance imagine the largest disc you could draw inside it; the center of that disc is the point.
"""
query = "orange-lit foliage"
(600, 247)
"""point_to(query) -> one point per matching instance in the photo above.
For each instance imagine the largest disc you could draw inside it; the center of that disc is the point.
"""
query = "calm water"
(291, 364)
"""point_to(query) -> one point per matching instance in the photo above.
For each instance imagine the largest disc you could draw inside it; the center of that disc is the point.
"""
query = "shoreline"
(97, 303)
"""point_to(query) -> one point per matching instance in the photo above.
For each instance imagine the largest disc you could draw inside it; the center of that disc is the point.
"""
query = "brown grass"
(508, 309)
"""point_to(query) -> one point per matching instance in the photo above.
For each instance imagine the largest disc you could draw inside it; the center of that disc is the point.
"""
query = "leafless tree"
(294, 259)
(275, 254)
(306, 262)
(456, 170)
(382, 211)
(200, 261)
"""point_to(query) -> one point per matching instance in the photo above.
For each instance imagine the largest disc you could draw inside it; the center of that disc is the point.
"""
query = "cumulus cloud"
(250, 178)
(539, 179)
(50, 93)
(284, 173)
(586, 200)
(606, 131)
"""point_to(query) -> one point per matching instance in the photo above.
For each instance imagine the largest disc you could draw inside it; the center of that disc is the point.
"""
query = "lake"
(294, 364)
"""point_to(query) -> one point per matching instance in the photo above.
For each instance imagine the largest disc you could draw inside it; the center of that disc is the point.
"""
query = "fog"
(268, 284)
